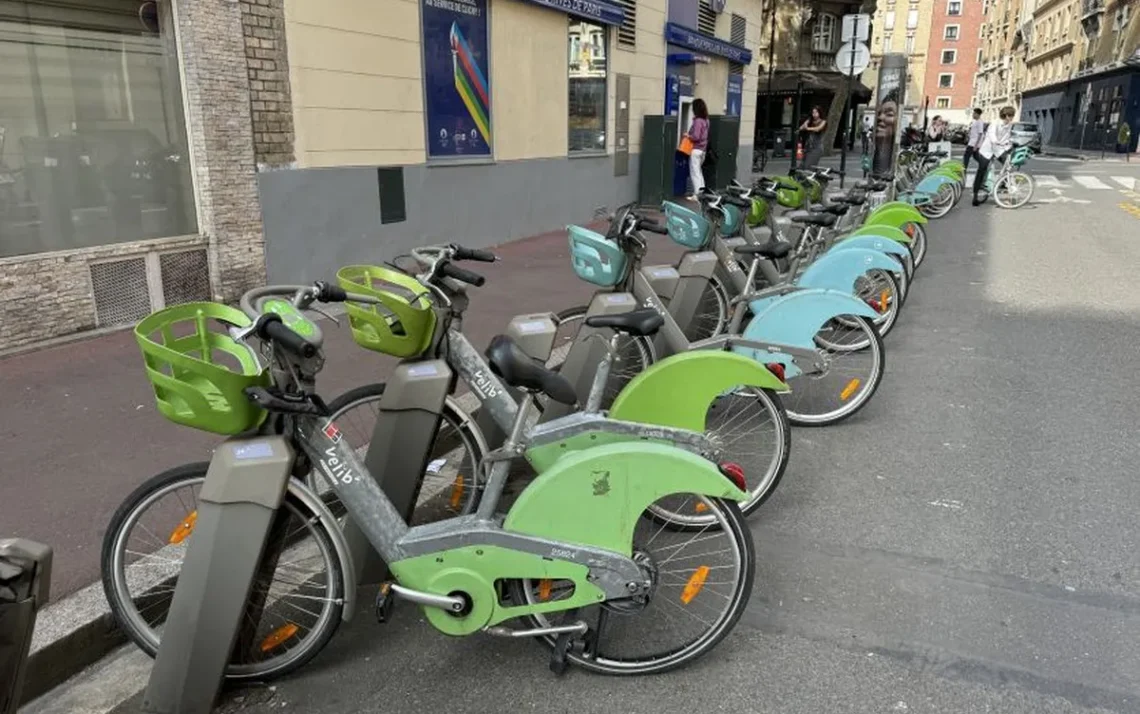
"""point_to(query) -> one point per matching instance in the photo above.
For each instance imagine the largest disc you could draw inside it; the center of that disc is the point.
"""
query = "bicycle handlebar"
(270, 327)
(451, 270)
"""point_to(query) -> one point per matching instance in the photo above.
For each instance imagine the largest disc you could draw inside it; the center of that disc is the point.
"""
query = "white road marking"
(1091, 182)
(1126, 181)
(1046, 180)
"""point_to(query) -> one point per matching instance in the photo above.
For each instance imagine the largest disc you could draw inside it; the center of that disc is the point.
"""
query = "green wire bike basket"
(402, 324)
(200, 374)
(687, 228)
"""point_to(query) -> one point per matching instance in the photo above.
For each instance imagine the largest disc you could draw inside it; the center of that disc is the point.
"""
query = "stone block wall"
(263, 23)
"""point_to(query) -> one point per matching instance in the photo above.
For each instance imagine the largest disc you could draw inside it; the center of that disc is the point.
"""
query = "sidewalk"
(80, 431)
(1085, 154)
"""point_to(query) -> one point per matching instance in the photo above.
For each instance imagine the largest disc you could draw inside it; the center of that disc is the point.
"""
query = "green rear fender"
(678, 390)
(895, 213)
(597, 496)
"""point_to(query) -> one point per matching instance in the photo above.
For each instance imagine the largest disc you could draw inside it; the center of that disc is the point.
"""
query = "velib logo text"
(485, 385)
(335, 468)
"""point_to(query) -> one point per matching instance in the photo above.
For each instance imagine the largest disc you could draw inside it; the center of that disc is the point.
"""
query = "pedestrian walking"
(698, 137)
(974, 138)
(814, 126)
(995, 144)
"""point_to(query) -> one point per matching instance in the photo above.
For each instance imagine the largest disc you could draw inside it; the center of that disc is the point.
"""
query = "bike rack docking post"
(237, 508)
(586, 353)
(534, 333)
(25, 580)
(398, 454)
(683, 286)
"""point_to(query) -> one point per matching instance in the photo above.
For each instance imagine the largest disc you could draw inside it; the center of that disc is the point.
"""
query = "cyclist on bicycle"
(997, 143)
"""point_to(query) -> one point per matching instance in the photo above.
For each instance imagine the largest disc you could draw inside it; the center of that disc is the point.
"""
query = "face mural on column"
(891, 96)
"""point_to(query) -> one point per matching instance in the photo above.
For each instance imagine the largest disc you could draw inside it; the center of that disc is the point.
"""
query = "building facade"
(1001, 70)
(904, 27)
(952, 59)
(160, 152)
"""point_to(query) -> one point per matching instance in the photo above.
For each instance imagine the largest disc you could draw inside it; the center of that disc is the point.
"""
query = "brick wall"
(263, 24)
(213, 44)
(965, 64)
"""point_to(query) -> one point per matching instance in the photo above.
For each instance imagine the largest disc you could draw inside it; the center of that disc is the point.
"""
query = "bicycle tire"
(865, 397)
(736, 524)
(1009, 178)
(149, 642)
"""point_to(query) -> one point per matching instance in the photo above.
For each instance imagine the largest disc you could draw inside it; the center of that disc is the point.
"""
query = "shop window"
(93, 144)
(589, 69)
(949, 56)
(946, 80)
(824, 33)
(950, 32)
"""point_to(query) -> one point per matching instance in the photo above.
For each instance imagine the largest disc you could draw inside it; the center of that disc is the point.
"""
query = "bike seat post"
(598, 388)
(501, 468)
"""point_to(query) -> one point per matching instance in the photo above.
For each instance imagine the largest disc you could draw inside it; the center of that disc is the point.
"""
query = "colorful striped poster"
(457, 87)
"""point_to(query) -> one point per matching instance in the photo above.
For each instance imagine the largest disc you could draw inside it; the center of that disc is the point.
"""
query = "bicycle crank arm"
(578, 628)
(443, 602)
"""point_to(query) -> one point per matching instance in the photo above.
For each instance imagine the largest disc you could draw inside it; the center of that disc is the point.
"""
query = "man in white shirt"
(974, 139)
(997, 141)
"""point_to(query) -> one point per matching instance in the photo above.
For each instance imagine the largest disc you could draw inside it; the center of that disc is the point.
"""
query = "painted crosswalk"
(1084, 181)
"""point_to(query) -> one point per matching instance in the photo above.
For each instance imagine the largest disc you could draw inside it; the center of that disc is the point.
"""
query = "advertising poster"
(735, 94)
(891, 97)
(457, 88)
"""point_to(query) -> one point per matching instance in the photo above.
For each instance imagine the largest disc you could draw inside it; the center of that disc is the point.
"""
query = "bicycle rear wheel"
(298, 593)
(701, 585)
(856, 362)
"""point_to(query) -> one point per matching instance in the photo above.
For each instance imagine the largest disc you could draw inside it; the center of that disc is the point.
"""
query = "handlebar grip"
(652, 227)
(270, 327)
(462, 253)
(328, 292)
(464, 276)
(738, 202)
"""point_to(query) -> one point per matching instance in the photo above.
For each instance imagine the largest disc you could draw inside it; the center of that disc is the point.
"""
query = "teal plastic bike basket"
(731, 222)
(199, 373)
(687, 228)
(595, 259)
(1020, 156)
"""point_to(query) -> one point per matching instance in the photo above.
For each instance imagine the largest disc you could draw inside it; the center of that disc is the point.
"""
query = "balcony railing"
(822, 60)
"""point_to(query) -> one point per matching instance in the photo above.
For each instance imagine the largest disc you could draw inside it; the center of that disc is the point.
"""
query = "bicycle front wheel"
(701, 584)
(1013, 190)
(298, 592)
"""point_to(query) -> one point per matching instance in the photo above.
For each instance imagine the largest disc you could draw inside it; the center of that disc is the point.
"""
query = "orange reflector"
(544, 588)
(457, 492)
(184, 529)
(883, 307)
(276, 638)
(909, 230)
(701, 507)
(696, 582)
(849, 389)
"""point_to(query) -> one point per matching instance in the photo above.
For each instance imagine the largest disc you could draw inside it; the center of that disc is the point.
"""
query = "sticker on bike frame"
(531, 327)
(256, 450)
(423, 370)
(332, 432)
(614, 299)
(666, 272)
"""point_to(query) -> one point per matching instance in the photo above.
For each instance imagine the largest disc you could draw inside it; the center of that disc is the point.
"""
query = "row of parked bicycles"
(598, 500)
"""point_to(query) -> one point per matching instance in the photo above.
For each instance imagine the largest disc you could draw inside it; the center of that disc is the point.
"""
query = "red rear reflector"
(777, 369)
(735, 473)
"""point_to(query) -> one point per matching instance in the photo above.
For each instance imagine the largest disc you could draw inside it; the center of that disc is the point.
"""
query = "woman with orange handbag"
(696, 140)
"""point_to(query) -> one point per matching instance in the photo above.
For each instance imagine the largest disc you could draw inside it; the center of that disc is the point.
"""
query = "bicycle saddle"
(812, 219)
(835, 209)
(771, 249)
(520, 370)
(853, 199)
(642, 322)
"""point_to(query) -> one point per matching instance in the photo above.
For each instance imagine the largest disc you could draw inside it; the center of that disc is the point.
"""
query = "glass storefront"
(93, 144)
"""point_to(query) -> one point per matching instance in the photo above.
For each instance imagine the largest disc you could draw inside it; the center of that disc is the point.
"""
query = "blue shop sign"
(735, 94)
(699, 42)
(597, 10)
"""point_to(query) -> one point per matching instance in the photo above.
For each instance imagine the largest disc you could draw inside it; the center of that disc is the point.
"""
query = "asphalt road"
(967, 543)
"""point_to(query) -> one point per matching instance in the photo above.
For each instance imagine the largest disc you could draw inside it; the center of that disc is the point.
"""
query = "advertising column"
(457, 88)
(891, 97)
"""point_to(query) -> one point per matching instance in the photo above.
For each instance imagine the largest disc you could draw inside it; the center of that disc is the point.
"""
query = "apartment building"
(1001, 70)
(162, 151)
(952, 58)
(905, 26)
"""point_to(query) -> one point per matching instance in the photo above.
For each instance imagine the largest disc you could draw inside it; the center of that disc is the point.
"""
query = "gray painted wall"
(318, 220)
(744, 165)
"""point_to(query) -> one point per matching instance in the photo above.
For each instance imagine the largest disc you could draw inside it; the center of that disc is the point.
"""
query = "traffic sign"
(852, 58)
(856, 27)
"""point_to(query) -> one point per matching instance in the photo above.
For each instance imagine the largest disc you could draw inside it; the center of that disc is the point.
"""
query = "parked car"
(1026, 134)
(957, 133)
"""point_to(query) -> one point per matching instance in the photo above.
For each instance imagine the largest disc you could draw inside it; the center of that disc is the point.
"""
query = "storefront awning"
(607, 13)
(700, 42)
(786, 82)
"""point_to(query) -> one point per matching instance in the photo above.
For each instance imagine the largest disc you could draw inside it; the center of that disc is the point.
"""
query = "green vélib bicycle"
(581, 560)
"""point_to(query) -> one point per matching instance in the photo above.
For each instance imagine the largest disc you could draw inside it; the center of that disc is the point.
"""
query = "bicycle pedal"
(385, 601)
